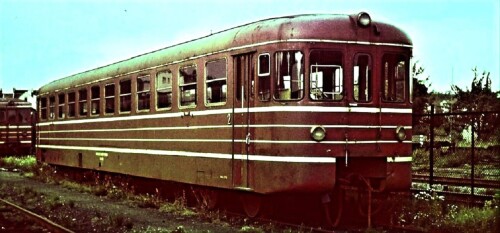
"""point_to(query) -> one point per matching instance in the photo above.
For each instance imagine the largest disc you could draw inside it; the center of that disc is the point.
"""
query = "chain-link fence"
(458, 152)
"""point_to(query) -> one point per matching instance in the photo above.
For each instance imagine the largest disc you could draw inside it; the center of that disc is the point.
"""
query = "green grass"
(23, 163)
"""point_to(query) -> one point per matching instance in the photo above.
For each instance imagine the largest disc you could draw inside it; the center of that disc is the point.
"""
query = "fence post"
(431, 154)
(472, 158)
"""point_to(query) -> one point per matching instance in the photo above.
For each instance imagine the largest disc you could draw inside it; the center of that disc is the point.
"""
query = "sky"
(45, 40)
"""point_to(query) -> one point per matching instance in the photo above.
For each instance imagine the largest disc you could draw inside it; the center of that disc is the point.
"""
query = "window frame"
(184, 85)
(139, 92)
(93, 100)
(43, 108)
(52, 107)
(370, 84)
(85, 106)
(276, 74)
(406, 79)
(121, 95)
(267, 77)
(342, 78)
(72, 103)
(107, 97)
(157, 88)
(206, 81)
(61, 107)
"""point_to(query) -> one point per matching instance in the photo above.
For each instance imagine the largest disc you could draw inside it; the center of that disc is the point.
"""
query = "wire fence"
(458, 151)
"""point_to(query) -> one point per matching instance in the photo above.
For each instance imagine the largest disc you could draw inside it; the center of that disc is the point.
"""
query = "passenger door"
(243, 82)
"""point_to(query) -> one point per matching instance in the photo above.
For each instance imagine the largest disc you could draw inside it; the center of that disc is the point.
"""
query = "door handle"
(247, 139)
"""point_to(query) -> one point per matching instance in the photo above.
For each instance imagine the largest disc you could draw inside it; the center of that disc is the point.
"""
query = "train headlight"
(364, 19)
(318, 133)
(400, 133)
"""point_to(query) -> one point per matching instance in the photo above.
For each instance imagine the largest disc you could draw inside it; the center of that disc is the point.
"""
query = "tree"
(421, 98)
(420, 89)
(479, 99)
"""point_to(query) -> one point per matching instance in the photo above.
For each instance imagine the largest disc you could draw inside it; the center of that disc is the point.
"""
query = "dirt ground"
(85, 212)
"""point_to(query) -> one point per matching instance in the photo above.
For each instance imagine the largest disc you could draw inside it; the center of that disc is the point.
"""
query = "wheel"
(333, 205)
(252, 204)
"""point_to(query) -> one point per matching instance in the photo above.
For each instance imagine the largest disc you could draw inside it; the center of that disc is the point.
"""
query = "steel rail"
(52, 226)
(478, 183)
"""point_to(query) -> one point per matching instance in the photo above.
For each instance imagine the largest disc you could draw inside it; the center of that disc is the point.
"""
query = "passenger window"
(2, 116)
(71, 104)
(326, 81)
(289, 75)
(362, 74)
(187, 86)
(216, 79)
(61, 100)
(164, 89)
(43, 108)
(82, 100)
(109, 95)
(95, 97)
(52, 107)
(264, 73)
(143, 92)
(11, 116)
(125, 95)
(394, 75)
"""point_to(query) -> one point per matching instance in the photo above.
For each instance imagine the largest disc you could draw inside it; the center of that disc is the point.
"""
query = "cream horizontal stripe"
(399, 159)
(222, 140)
(311, 109)
(221, 127)
(293, 159)
(16, 127)
(23, 142)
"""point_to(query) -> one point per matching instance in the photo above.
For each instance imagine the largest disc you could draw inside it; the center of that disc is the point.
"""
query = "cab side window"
(289, 80)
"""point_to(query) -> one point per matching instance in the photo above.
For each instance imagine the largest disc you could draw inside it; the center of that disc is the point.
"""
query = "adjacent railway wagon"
(298, 104)
(17, 125)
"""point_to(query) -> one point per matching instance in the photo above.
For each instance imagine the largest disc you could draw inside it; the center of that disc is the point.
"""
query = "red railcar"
(284, 105)
(17, 125)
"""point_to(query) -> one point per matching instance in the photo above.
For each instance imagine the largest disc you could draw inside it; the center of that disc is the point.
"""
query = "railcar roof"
(331, 27)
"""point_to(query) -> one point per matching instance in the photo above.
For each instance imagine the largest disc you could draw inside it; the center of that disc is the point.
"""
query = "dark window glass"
(109, 94)
(82, 100)
(95, 100)
(71, 104)
(43, 108)
(125, 95)
(62, 102)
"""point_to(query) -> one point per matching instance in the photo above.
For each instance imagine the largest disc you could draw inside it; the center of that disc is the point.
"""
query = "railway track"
(35, 218)
(478, 183)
